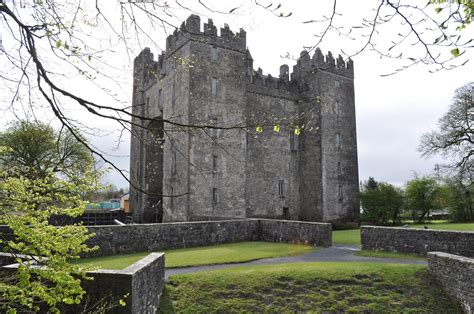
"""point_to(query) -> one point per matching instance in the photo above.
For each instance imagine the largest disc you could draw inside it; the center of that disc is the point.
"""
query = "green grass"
(353, 236)
(302, 287)
(217, 254)
(446, 226)
(346, 236)
(384, 254)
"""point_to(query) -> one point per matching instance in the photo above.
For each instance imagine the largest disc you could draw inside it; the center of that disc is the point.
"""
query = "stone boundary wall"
(158, 237)
(140, 286)
(420, 241)
(318, 234)
(456, 275)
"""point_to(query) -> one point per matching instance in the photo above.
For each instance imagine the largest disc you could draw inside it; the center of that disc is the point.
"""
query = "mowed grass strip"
(394, 255)
(208, 255)
(302, 287)
(353, 236)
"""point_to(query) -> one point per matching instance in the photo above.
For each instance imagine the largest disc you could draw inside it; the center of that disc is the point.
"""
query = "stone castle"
(218, 139)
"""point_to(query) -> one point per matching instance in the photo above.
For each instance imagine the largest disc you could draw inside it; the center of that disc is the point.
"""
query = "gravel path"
(336, 253)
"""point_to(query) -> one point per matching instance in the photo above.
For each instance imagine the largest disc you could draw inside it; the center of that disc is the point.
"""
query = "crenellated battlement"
(191, 30)
(267, 84)
(320, 62)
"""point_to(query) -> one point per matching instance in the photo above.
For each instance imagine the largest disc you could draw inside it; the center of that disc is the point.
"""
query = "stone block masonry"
(139, 286)
(419, 241)
(456, 275)
(158, 237)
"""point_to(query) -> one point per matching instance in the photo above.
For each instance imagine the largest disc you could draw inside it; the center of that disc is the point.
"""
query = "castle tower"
(328, 164)
(146, 155)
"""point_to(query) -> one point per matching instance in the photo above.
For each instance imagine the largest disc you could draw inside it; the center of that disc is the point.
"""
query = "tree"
(454, 139)
(421, 197)
(380, 201)
(36, 150)
(26, 206)
(459, 199)
(50, 40)
(43, 174)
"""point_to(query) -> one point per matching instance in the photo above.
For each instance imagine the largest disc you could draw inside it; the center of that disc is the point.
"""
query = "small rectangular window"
(339, 168)
(214, 163)
(281, 187)
(338, 140)
(214, 195)
(292, 141)
(147, 101)
(214, 86)
(214, 53)
(340, 192)
(337, 83)
(160, 98)
(173, 93)
(173, 163)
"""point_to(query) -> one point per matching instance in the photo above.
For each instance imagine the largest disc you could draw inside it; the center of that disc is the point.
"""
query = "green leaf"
(455, 52)
(437, 10)
(297, 131)
(259, 129)
(318, 99)
(59, 43)
(277, 128)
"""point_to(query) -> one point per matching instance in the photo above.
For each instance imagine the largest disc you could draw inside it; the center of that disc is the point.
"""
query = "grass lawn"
(216, 254)
(383, 254)
(301, 287)
(446, 226)
(353, 236)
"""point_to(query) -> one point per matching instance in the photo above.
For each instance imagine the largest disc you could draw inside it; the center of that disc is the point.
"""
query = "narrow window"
(339, 168)
(147, 101)
(214, 195)
(337, 83)
(338, 140)
(214, 86)
(281, 187)
(286, 213)
(173, 93)
(214, 163)
(292, 141)
(340, 192)
(214, 53)
(338, 108)
(173, 162)
(160, 99)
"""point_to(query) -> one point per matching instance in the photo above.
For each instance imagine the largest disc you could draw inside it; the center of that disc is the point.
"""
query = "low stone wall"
(158, 237)
(140, 286)
(318, 234)
(420, 241)
(456, 275)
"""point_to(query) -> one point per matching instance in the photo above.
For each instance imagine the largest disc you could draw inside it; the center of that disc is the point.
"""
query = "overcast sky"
(392, 112)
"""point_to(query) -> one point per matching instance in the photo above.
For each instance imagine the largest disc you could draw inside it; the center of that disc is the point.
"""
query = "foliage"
(421, 197)
(305, 287)
(44, 278)
(454, 139)
(381, 202)
(208, 255)
(35, 150)
(460, 199)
